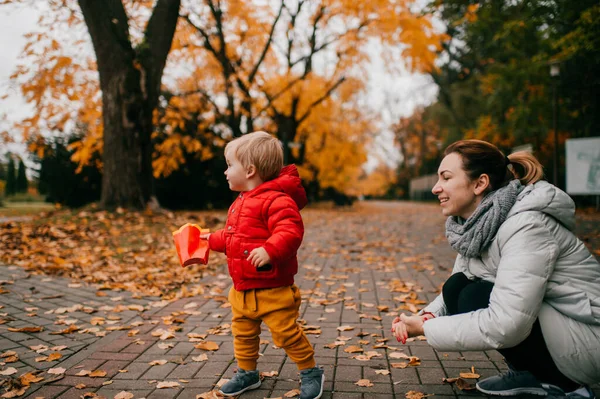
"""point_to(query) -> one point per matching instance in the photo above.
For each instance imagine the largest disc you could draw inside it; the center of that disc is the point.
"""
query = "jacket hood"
(544, 197)
(287, 182)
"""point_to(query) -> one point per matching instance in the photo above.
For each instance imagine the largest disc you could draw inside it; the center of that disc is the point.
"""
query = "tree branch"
(321, 99)
(158, 38)
(108, 26)
(207, 44)
(267, 46)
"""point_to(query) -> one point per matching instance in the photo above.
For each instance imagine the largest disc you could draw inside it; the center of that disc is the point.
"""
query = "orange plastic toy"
(190, 248)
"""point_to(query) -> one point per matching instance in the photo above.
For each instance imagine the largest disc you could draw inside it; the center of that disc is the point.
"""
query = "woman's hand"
(205, 236)
(406, 326)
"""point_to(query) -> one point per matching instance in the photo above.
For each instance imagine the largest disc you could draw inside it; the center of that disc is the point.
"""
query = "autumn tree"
(235, 66)
(494, 76)
(130, 71)
(275, 68)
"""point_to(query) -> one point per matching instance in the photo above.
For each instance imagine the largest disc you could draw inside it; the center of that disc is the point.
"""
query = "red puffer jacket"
(267, 216)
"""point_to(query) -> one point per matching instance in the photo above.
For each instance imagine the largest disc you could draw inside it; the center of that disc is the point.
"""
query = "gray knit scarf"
(472, 236)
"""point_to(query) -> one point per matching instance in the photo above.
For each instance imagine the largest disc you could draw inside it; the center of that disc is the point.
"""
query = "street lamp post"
(555, 73)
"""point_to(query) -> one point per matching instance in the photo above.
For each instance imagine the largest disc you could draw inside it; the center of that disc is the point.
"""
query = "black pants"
(462, 295)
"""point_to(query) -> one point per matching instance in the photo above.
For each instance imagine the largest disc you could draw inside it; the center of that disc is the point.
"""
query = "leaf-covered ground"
(120, 250)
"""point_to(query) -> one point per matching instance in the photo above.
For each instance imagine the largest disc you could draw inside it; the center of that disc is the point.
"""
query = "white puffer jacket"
(540, 269)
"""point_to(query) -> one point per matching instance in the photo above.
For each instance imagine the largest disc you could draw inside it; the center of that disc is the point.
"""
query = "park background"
(321, 76)
(117, 112)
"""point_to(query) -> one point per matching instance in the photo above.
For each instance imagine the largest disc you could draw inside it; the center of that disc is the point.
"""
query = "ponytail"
(526, 167)
(481, 157)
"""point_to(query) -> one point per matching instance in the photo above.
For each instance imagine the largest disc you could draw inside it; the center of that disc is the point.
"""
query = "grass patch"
(18, 209)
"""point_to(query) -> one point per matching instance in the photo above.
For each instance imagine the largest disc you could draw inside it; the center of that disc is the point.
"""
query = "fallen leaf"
(292, 394)
(158, 362)
(382, 372)
(207, 346)
(353, 349)
(345, 328)
(269, 374)
(469, 375)
(98, 373)
(201, 358)
(57, 370)
(398, 355)
(168, 384)
(415, 395)
(209, 395)
(26, 329)
(364, 383)
(464, 385)
(39, 348)
(30, 378)
(8, 371)
(54, 356)
(80, 386)
(123, 395)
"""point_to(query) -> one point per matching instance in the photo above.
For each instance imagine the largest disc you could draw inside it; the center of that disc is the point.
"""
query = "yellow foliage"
(487, 130)
(377, 182)
(488, 83)
(212, 71)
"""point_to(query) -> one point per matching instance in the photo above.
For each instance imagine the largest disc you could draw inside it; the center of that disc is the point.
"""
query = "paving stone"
(159, 372)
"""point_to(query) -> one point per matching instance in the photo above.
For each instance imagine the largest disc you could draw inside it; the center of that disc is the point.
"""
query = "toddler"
(262, 234)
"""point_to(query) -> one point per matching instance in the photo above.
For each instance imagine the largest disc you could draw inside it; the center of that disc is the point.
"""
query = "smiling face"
(236, 173)
(458, 195)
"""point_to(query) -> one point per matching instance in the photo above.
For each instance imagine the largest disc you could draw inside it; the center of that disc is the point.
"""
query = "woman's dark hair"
(481, 157)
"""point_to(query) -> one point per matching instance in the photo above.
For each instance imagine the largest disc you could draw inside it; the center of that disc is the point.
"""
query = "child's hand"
(205, 236)
(259, 257)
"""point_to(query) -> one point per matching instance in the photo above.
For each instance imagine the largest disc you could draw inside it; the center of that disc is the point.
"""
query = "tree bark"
(130, 83)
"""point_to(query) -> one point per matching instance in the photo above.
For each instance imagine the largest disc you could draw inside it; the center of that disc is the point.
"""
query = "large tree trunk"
(130, 83)
(127, 173)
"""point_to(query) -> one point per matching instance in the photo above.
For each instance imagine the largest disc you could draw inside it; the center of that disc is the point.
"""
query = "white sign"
(583, 165)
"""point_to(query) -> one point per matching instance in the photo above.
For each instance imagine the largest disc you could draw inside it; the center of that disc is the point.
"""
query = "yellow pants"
(278, 308)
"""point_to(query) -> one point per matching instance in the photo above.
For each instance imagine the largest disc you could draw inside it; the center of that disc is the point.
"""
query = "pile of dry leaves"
(120, 250)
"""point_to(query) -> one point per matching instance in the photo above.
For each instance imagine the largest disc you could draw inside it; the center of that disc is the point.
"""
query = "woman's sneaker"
(242, 381)
(584, 392)
(512, 383)
(311, 383)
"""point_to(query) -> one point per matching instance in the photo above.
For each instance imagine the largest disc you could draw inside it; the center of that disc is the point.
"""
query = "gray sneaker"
(242, 381)
(554, 392)
(311, 383)
(511, 383)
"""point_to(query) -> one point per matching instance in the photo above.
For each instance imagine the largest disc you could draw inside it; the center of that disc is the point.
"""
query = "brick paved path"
(354, 263)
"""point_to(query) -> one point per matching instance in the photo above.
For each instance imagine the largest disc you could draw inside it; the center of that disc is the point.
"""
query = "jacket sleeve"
(528, 254)
(216, 241)
(285, 227)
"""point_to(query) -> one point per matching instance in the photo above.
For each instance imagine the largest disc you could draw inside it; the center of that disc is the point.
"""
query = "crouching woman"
(522, 283)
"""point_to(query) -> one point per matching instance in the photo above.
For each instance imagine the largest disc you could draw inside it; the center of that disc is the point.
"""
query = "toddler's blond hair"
(261, 150)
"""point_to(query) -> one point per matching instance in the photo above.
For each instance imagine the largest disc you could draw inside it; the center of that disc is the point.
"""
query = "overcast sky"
(409, 89)
(14, 23)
